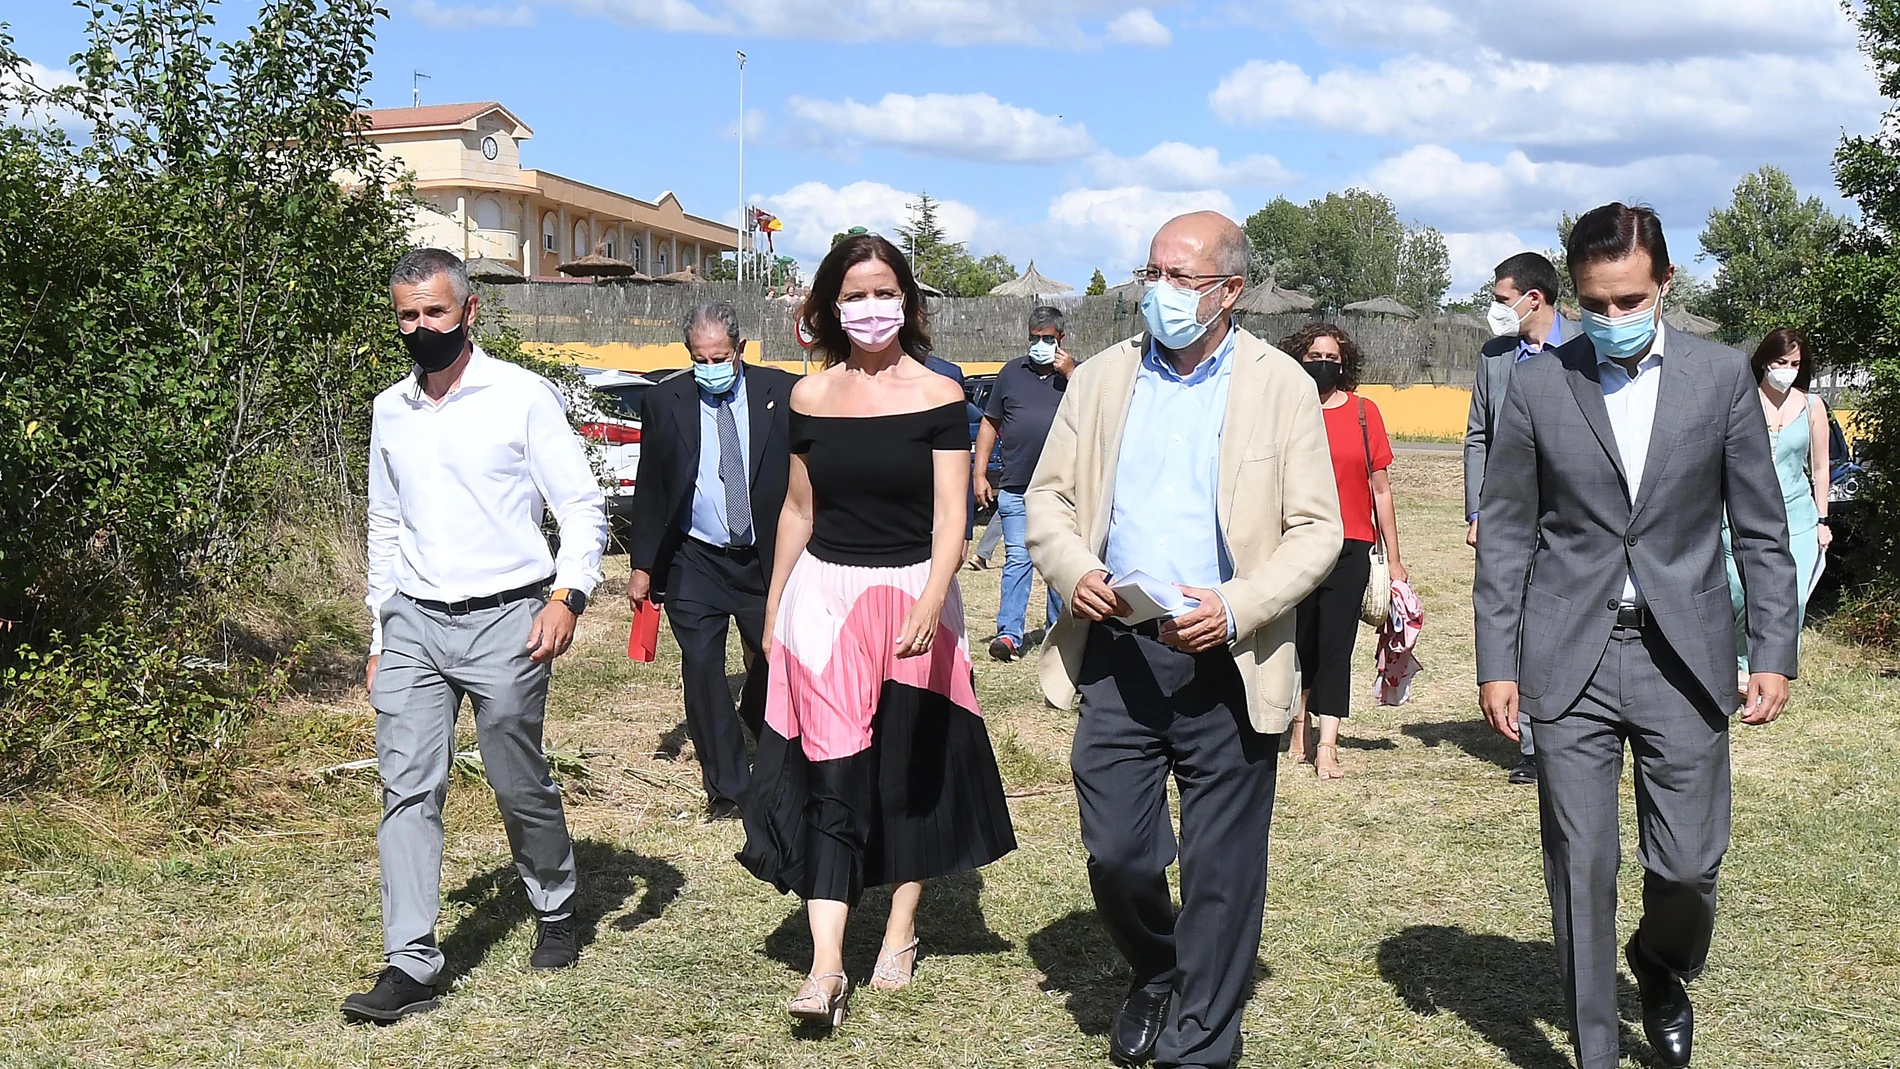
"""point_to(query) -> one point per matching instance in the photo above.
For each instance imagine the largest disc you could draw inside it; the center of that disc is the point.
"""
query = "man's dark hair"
(718, 314)
(820, 310)
(421, 265)
(1048, 316)
(1617, 230)
(1531, 271)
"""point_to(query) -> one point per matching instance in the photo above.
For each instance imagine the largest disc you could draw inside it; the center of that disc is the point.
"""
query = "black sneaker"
(556, 945)
(1003, 648)
(1525, 771)
(395, 996)
(723, 809)
(1034, 638)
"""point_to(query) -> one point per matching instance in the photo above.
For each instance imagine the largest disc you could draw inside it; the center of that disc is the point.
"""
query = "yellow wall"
(1422, 411)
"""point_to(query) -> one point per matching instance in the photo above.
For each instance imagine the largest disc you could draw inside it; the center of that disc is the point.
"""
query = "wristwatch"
(575, 601)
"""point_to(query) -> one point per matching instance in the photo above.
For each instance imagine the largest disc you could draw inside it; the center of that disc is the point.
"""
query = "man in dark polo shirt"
(1022, 406)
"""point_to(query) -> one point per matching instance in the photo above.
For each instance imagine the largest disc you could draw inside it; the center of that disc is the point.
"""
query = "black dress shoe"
(556, 945)
(394, 997)
(1524, 771)
(1668, 1015)
(723, 809)
(1132, 1040)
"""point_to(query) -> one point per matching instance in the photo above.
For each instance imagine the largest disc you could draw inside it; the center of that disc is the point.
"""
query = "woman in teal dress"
(1797, 430)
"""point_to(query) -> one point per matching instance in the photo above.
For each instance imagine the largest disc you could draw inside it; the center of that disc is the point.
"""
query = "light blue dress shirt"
(707, 521)
(1527, 348)
(1165, 519)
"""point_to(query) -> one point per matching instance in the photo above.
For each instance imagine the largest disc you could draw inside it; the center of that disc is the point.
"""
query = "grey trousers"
(430, 660)
(1148, 711)
(1644, 695)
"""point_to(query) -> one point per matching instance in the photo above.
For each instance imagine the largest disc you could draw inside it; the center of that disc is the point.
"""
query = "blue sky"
(1067, 130)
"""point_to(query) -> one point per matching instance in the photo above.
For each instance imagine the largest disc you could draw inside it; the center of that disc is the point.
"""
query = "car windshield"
(621, 402)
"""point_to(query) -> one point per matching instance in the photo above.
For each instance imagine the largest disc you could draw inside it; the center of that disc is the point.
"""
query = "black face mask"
(1326, 374)
(433, 350)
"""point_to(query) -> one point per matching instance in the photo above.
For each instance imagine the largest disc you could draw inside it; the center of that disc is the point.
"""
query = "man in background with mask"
(715, 458)
(1526, 321)
(1195, 455)
(1022, 405)
(1603, 613)
(465, 457)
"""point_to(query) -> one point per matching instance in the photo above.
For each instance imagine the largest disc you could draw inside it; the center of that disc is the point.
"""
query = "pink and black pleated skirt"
(871, 769)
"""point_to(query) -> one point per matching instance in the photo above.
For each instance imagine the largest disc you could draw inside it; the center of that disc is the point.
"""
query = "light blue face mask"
(716, 378)
(1621, 337)
(1043, 352)
(1174, 315)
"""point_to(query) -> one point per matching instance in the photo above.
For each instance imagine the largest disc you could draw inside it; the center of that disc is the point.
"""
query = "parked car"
(616, 432)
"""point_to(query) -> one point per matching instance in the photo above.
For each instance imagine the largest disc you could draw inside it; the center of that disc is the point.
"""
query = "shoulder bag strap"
(1365, 441)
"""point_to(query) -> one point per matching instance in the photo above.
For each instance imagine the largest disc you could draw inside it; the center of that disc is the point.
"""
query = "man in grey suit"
(1524, 316)
(1602, 614)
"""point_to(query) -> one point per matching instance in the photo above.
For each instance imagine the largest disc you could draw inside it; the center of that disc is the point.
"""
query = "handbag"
(1375, 608)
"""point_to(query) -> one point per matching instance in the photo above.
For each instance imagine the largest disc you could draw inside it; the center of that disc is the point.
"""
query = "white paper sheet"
(1149, 598)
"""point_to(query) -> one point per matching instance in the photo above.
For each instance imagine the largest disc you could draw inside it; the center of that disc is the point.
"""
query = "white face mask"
(1503, 318)
(1781, 378)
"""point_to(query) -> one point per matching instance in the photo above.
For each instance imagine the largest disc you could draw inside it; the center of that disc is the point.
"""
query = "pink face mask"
(872, 322)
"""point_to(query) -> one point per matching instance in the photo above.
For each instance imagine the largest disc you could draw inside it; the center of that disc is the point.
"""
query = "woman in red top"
(1329, 617)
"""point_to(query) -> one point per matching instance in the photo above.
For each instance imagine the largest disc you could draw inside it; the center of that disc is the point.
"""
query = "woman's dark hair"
(1614, 231)
(820, 310)
(1779, 343)
(1351, 360)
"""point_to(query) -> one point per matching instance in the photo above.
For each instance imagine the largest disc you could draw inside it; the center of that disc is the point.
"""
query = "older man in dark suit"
(1603, 614)
(715, 458)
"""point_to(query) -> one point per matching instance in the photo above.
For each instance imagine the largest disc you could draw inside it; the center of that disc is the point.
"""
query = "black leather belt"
(1150, 628)
(724, 551)
(492, 601)
(1633, 617)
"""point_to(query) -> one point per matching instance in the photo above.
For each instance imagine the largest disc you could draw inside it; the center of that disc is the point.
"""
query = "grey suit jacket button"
(1613, 605)
(1632, 540)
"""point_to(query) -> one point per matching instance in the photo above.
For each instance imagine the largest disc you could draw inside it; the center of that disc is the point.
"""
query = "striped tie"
(732, 474)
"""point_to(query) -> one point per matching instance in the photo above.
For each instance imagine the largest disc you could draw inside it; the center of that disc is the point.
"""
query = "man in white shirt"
(464, 457)
(1603, 614)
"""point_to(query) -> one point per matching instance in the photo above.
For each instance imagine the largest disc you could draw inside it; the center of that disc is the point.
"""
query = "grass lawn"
(1406, 923)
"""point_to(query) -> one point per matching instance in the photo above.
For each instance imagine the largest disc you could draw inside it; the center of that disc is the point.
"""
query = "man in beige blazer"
(1195, 454)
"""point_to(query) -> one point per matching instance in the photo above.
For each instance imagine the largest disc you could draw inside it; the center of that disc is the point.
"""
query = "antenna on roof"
(416, 91)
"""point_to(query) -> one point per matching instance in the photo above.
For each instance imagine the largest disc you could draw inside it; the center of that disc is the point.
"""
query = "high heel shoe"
(887, 976)
(815, 1005)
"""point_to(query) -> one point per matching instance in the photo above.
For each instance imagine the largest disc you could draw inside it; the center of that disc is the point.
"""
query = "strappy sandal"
(887, 976)
(1322, 770)
(814, 1005)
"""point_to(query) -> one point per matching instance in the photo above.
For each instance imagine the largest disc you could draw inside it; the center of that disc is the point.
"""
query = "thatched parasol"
(1689, 323)
(677, 277)
(483, 269)
(1380, 306)
(1129, 291)
(597, 264)
(1031, 283)
(1269, 298)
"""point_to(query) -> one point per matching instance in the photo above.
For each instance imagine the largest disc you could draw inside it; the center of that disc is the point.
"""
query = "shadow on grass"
(609, 876)
(949, 922)
(1474, 737)
(1076, 956)
(1501, 987)
(1347, 742)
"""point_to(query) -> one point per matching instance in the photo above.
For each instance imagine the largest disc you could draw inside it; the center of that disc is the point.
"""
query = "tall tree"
(1424, 269)
(1097, 285)
(1357, 237)
(1282, 237)
(1765, 241)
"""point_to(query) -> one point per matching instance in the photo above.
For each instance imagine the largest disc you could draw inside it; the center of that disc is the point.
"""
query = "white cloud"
(44, 78)
(444, 16)
(754, 125)
(1112, 227)
(1174, 166)
(813, 212)
(973, 126)
(1139, 27)
(1474, 255)
(1626, 29)
(1459, 194)
(1759, 102)
(1035, 23)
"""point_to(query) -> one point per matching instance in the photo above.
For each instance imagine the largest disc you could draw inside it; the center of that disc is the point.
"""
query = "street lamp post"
(744, 226)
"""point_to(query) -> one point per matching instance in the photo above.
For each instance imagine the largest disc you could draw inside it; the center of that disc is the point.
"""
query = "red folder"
(644, 642)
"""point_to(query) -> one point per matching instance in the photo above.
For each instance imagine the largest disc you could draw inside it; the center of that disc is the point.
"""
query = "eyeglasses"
(1050, 338)
(1177, 279)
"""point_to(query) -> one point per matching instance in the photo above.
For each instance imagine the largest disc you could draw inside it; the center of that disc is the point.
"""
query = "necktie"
(732, 474)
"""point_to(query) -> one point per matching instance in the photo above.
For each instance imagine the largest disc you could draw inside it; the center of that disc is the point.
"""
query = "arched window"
(686, 259)
(488, 213)
(634, 255)
(549, 233)
(659, 260)
(581, 246)
(608, 238)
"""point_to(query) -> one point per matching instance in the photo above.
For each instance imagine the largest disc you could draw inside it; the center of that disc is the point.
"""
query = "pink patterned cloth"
(1397, 665)
(833, 649)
